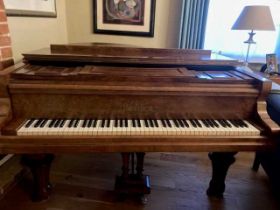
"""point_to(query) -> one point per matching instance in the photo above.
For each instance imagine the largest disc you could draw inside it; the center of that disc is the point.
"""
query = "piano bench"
(270, 161)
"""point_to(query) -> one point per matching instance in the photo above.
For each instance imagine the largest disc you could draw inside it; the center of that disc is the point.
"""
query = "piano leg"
(221, 162)
(40, 168)
(130, 182)
(140, 163)
(125, 166)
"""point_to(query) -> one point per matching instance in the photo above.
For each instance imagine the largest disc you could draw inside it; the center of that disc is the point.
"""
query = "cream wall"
(31, 33)
(80, 25)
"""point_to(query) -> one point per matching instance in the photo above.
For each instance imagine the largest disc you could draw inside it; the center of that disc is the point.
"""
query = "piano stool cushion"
(270, 161)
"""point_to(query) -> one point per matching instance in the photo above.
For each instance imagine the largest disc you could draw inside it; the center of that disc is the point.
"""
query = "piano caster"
(216, 191)
(40, 169)
(221, 162)
(144, 199)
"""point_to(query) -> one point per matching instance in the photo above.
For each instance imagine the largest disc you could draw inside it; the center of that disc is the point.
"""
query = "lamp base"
(249, 42)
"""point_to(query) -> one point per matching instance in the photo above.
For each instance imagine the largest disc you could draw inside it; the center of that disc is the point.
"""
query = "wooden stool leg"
(40, 168)
(221, 162)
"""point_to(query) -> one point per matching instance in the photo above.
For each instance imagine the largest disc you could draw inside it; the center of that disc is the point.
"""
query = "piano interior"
(102, 98)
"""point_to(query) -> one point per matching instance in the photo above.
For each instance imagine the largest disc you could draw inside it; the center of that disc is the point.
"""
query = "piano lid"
(128, 55)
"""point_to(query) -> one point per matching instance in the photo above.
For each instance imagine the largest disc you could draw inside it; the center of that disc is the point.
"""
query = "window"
(221, 39)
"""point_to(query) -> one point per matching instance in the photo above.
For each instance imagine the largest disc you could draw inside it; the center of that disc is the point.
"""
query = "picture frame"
(31, 8)
(271, 62)
(120, 17)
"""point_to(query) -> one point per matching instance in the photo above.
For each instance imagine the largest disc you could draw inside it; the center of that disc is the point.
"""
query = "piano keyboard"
(139, 127)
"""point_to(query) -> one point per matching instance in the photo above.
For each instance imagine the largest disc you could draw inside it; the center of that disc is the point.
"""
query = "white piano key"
(221, 131)
(203, 130)
(233, 130)
(65, 128)
(44, 130)
(23, 130)
(32, 130)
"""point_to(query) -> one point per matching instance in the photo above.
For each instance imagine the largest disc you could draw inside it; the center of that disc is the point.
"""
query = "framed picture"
(271, 62)
(37, 8)
(124, 17)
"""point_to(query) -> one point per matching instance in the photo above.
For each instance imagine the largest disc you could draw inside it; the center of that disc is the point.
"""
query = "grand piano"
(82, 98)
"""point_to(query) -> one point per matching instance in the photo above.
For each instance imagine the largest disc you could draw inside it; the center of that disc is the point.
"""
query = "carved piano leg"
(130, 182)
(40, 168)
(221, 162)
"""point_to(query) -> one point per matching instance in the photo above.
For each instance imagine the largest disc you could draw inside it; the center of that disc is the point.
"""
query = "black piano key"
(215, 123)
(197, 123)
(193, 123)
(139, 123)
(151, 123)
(29, 123)
(227, 123)
(168, 123)
(57, 123)
(164, 123)
(205, 123)
(240, 123)
(156, 123)
(121, 123)
(244, 124)
(62, 123)
(94, 124)
(85, 123)
(116, 123)
(76, 123)
(43, 123)
(176, 123)
(103, 123)
(185, 123)
(222, 123)
(38, 122)
(233, 122)
(70, 123)
(133, 123)
(52, 123)
(146, 123)
(126, 123)
(210, 123)
(108, 123)
(181, 123)
(89, 124)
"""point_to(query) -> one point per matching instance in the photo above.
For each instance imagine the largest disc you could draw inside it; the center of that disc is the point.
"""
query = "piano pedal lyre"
(132, 182)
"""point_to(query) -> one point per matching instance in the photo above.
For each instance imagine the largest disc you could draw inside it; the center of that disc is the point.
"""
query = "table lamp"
(252, 18)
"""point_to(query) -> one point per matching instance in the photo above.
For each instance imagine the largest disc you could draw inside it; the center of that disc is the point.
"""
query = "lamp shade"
(255, 18)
